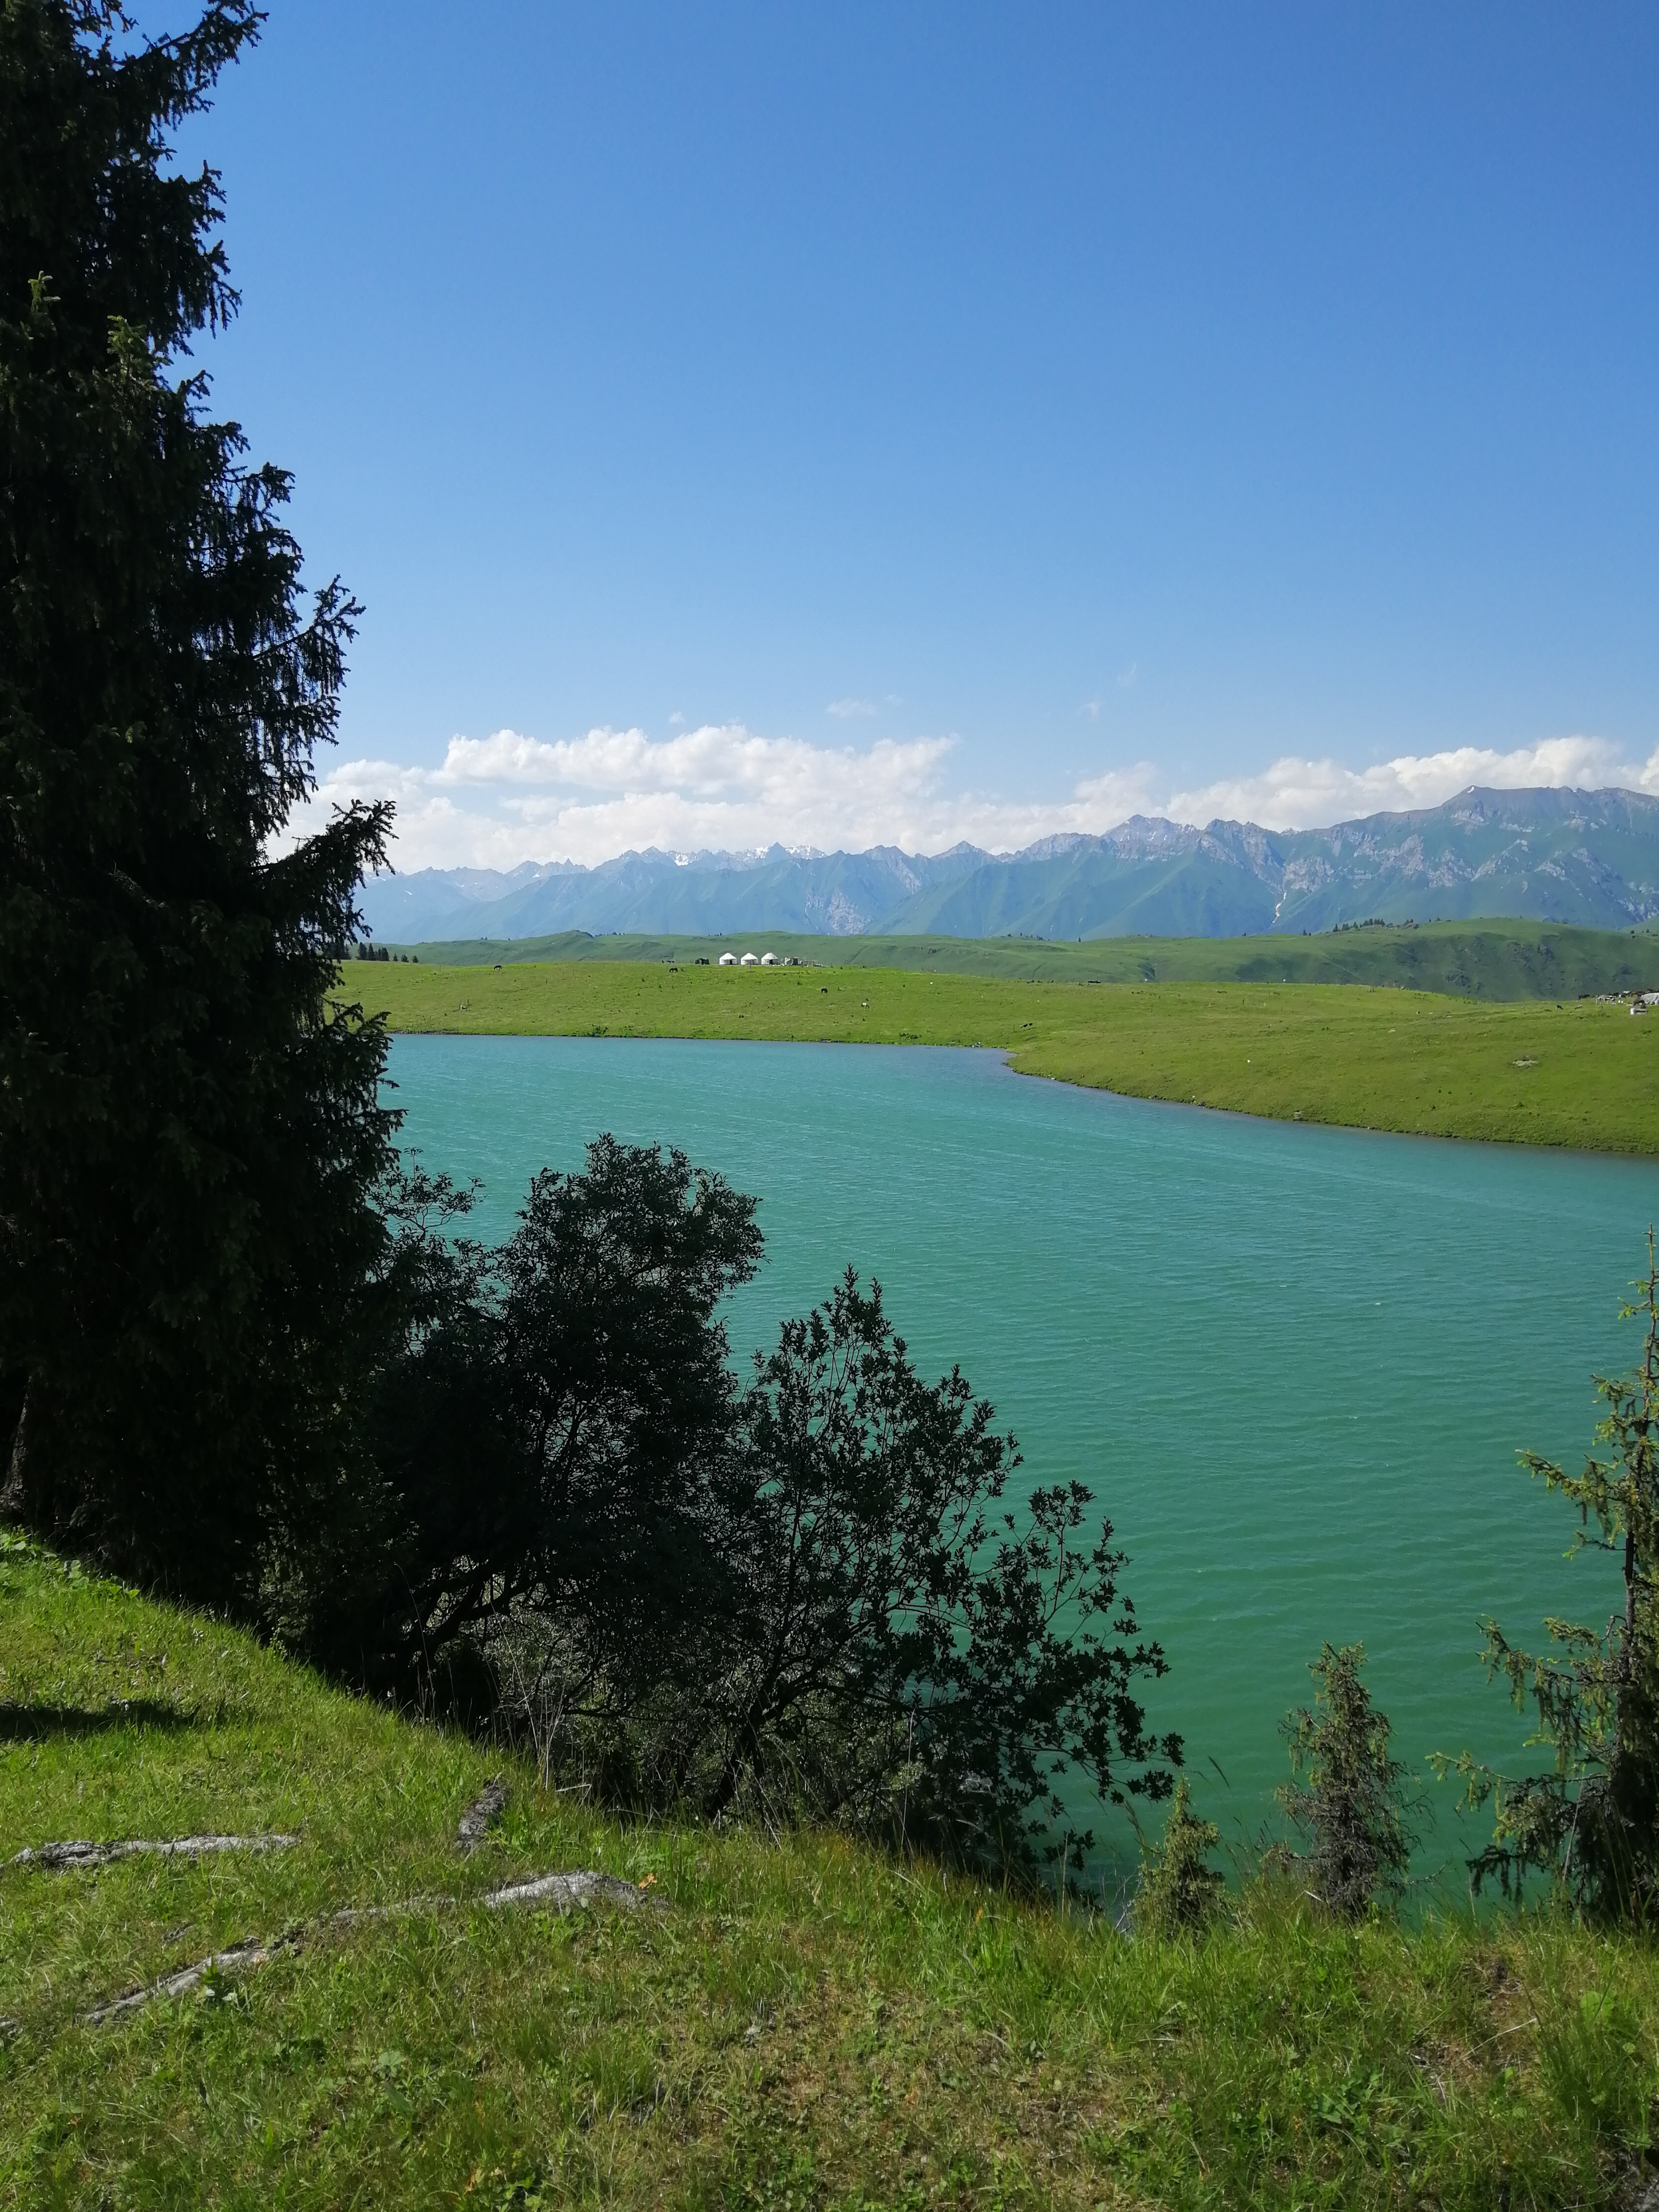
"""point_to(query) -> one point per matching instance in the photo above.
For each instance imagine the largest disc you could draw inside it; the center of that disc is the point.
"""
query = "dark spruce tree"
(189, 1131)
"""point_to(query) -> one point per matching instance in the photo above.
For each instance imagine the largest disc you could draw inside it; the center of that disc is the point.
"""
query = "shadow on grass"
(39, 1724)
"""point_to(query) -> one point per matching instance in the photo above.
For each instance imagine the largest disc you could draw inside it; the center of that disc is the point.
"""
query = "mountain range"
(1589, 857)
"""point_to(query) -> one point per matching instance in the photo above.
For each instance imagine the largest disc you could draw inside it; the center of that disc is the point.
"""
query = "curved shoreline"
(1582, 1075)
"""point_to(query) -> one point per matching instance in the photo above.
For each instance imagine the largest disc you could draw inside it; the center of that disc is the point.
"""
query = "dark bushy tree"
(1591, 1823)
(543, 1426)
(899, 1656)
(1352, 1810)
(794, 1598)
(189, 1133)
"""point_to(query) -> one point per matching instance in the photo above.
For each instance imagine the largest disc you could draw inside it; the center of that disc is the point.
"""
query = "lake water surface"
(1294, 1364)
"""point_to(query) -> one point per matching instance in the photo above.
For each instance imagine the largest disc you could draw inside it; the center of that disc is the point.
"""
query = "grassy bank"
(799, 2022)
(1477, 960)
(1524, 1071)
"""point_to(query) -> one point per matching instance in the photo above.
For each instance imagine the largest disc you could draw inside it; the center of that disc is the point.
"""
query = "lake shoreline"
(1574, 1076)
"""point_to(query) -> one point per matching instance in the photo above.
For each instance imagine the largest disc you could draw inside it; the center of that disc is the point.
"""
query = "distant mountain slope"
(1589, 857)
(827, 894)
(1562, 856)
(1147, 879)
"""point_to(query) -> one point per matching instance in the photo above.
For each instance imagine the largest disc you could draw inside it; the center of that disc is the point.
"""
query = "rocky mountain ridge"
(1590, 858)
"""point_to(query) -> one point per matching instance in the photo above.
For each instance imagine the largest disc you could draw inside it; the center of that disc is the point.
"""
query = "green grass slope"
(799, 2022)
(1496, 960)
(1522, 1071)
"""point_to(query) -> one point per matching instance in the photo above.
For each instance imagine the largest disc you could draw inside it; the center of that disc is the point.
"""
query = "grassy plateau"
(789, 2021)
(1523, 1070)
(1478, 960)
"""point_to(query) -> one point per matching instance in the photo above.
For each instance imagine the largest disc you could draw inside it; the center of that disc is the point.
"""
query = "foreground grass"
(1523, 1072)
(1468, 959)
(805, 2024)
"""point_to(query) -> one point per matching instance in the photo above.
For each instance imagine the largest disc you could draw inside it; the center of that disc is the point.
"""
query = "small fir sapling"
(1350, 1810)
(1180, 1891)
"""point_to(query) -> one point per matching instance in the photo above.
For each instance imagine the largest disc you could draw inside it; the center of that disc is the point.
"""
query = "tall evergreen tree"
(189, 1131)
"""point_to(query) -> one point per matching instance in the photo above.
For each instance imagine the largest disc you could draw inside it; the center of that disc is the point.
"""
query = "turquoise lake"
(1295, 1364)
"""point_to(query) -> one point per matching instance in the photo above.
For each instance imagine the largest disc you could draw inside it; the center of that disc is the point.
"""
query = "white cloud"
(722, 763)
(495, 801)
(849, 710)
(1306, 795)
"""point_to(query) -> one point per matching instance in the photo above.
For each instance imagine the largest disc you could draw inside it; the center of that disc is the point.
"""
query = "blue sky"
(844, 423)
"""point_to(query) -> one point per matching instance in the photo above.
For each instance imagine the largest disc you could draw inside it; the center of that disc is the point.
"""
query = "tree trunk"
(13, 1494)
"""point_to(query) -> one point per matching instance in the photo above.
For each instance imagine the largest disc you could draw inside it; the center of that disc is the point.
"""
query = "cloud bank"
(496, 801)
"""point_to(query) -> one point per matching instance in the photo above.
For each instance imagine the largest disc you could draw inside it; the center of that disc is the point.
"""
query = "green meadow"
(1478, 960)
(1518, 1071)
(787, 2021)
